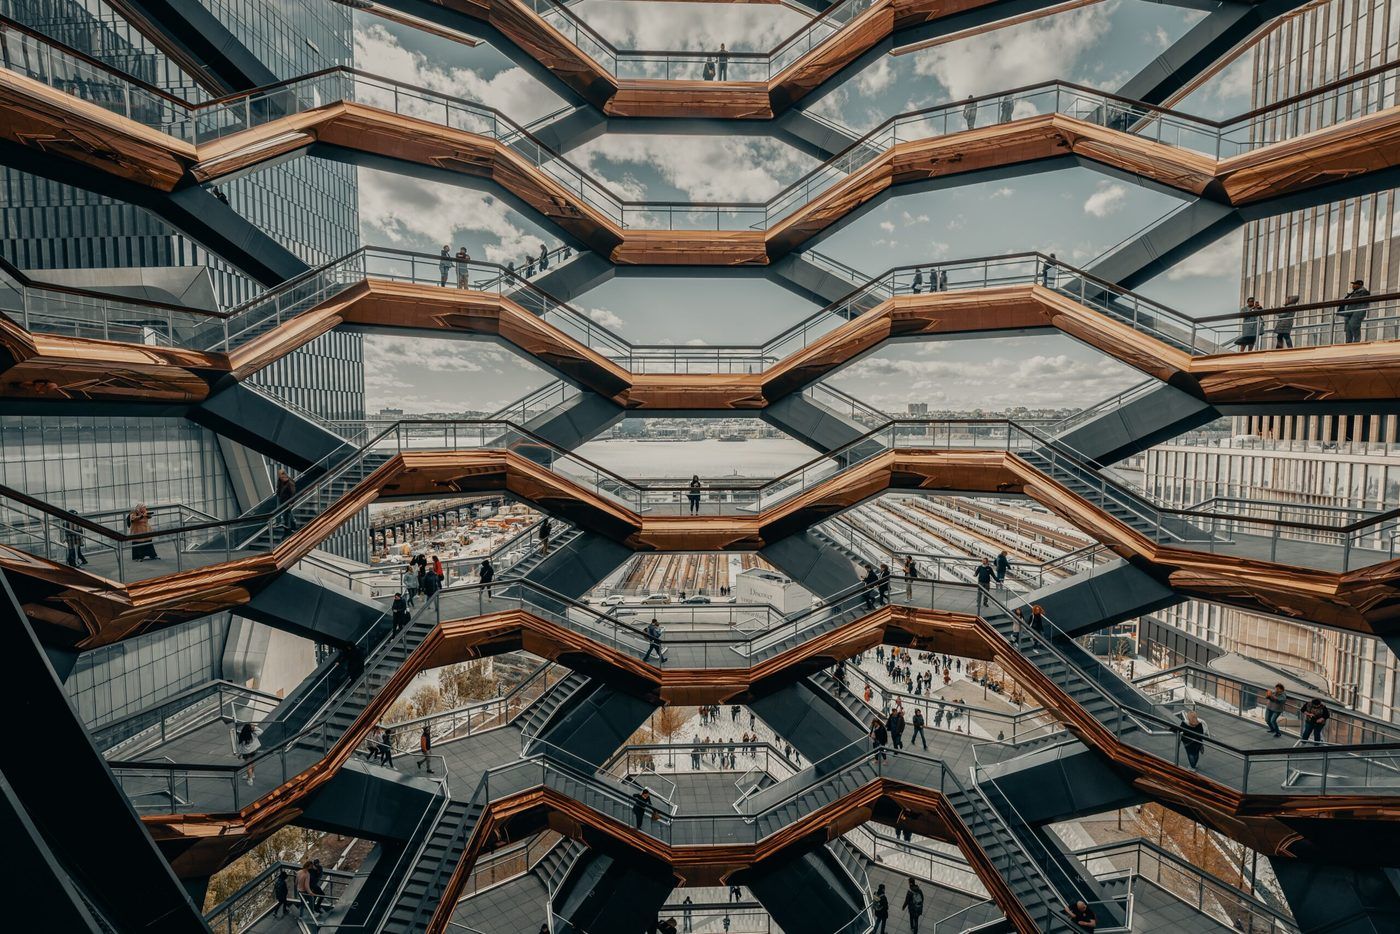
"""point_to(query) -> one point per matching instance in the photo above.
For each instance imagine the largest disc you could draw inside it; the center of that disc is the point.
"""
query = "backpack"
(916, 899)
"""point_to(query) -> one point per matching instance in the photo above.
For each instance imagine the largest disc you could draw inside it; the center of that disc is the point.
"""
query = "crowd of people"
(456, 267)
(1351, 314)
(716, 66)
(422, 575)
(308, 883)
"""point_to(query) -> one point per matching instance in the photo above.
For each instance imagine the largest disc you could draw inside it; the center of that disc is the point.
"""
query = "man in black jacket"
(1354, 312)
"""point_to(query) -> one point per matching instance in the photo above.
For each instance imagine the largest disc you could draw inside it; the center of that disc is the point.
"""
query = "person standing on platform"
(1354, 312)
(984, 575)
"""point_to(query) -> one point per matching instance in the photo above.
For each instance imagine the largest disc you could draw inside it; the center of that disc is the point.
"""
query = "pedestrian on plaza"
(723, 59)
(1082, 916)
(1315, 716)
(693, 494)
(970, 112)
(544, 258)
(686, 910)
(386, 747)
(1001, 565)
(439, 570)
(942, 279)
(880, 908)
(734, 712)
(1193, 734)
(1275, 702)
(463, 268)
(1354, 311)
(708, 72)
(445, 264)
(654, 641)
(399, 612)
(878, 737)
(73, 543)
(545, 530)
(529, 265)
(914, 904)
(1047, 270)
(884, 583)
(1283, 323)
(425, 749)
(488, 574)
(247, 744)
(1249, 325)
(984, 575)
(735, 894)
(408, 584)
(911, 574)
(917, 285)
(1007, 107)
(918, 734)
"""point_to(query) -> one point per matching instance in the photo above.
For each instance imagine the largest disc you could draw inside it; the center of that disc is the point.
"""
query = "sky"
(1076, 213)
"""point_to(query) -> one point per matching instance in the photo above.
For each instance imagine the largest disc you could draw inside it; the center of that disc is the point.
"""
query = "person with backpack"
(1001, 565)
(914, 904)
(880, 908)
(400, 612)
(654, 641)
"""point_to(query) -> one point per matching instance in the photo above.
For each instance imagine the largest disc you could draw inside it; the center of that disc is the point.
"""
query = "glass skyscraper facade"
(1321, 460)
(308, 206)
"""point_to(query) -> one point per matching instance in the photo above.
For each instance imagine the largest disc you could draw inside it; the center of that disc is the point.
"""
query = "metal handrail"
(839, 161)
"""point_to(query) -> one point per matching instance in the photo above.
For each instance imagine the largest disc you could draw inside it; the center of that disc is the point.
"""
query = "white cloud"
(1107, 199)
(1019, 55)
(1037, 381)
(702, 26)
(606, 318)
(911, 220)
(887, 226)
(1222, 259)
(703, 168)
(511, 91)
(877, 78)
(1003, 192)
(396, 209)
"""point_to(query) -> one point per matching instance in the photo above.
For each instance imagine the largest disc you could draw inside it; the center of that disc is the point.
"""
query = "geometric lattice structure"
(543, 789)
